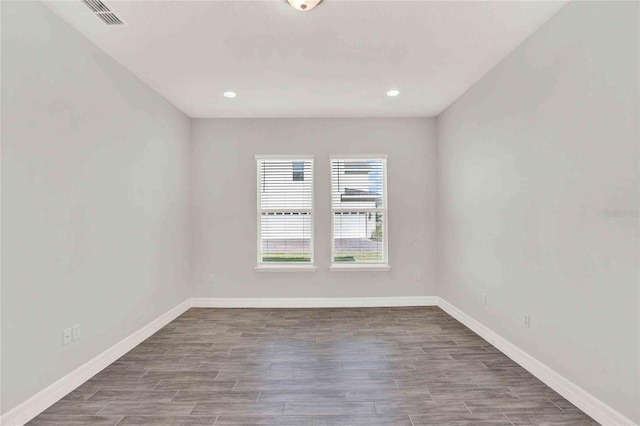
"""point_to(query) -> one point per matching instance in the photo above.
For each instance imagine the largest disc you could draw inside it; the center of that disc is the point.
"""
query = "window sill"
(285, 268)
(362, 267)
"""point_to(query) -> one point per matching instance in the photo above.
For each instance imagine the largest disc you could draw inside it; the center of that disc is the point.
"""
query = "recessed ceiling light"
(393, 92)
(229, 94)
(304, 5)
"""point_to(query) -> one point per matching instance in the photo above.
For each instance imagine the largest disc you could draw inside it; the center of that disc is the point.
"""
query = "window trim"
(360, 266)
(284, 266)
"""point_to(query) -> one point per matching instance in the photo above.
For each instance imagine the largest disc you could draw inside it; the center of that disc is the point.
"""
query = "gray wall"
(224, 204)
(94, 201)
(538, 192)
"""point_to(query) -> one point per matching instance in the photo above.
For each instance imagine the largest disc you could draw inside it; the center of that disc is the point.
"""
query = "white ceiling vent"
(105, 14)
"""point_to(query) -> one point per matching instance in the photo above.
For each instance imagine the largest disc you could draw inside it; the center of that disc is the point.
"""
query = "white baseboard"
(26, 411)
(324, 302)
(579, 397)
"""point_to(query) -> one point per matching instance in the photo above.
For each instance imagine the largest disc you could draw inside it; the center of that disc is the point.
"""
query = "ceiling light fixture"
(229, 94)
(304, 5)
(393, 92)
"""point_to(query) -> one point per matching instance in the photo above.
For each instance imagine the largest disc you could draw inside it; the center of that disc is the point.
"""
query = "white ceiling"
(337, 60)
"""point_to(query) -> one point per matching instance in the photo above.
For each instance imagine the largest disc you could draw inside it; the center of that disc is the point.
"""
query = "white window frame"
(284, 266)
(361, 266)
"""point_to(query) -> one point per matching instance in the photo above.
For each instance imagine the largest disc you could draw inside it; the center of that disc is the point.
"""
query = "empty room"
(320, 212)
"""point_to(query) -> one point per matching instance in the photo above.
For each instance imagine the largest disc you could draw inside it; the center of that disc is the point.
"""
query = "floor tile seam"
(192, 408)
(508, 419)
(559, 408)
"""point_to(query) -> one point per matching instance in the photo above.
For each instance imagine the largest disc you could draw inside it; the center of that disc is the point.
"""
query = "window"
(359, 213)
(285, 212)
(298, 170)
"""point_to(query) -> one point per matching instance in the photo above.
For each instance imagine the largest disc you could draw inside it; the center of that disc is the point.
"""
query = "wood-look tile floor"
(369, 366)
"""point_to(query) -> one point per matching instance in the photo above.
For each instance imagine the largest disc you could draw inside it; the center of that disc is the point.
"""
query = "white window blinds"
(359, 210)
(285, 210)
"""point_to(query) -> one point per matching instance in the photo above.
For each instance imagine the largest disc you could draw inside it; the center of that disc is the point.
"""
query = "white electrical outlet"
(66, 336)
(212, 278)
(527, 320)
(484, 298)
(418, 276)
(76, 332)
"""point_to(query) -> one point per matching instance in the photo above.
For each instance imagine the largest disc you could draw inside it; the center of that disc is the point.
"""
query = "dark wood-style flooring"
(368, 366)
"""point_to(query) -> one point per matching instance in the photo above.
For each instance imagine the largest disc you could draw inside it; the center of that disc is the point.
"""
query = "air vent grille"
(96, 6)
(109, 18)
(101, 10)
